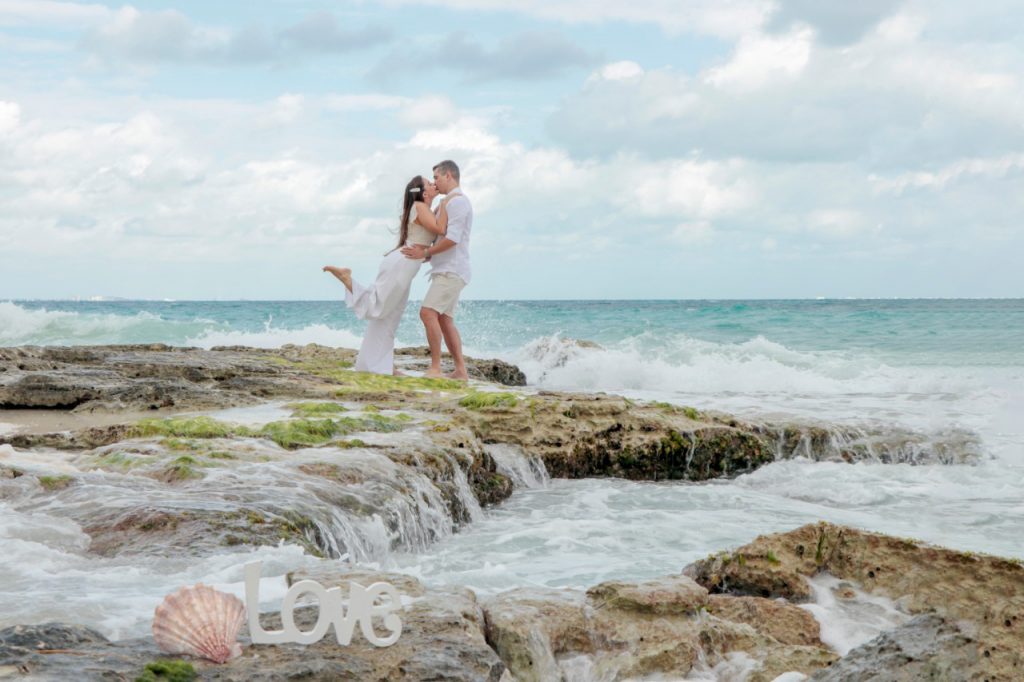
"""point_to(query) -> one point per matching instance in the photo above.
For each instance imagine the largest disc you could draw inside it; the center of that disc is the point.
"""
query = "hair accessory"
(415, 190)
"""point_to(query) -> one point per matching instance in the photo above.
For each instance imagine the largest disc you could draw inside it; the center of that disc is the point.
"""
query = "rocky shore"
(218, 450)
(963, 623)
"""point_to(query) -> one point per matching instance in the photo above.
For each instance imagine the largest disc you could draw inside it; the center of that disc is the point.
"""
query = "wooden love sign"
(362, 607)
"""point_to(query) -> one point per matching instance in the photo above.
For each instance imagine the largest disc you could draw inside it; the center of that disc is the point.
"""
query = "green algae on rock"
(54, 483)
(310, 409)
(167, 670)
(487, 400)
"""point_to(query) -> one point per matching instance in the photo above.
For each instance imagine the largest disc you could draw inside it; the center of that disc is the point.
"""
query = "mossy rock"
(486, 400)
(338, 372)
(54, 483)
(316, 409)
(188, 427)
(299, 433)
(167, 670)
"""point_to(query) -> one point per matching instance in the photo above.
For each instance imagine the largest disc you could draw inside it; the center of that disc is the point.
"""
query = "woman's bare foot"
(433, 374)
(344, 274)
(458, 376)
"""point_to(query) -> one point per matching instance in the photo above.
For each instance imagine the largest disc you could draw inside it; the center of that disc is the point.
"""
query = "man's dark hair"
(448, 167)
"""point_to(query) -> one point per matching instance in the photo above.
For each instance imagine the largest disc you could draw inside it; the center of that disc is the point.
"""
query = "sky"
(612, 150)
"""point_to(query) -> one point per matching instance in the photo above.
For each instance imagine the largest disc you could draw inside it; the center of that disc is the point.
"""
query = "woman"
(384, 302)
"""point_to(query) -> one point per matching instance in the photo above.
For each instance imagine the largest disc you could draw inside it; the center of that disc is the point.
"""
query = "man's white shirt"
(460, 223)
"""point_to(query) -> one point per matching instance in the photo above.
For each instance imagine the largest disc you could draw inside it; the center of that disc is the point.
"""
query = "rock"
(619, 630)
(581, 435)
(671, 595)
(493, 370)
(785, 622)
(925, 648)
(496, 371)
(48, 636)
(957, 586)
(529, 628)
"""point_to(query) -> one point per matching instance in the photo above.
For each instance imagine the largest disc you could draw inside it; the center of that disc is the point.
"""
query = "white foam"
(759, 377)
(733, 667)
(848, 616)
(250, 415)
(272, 337)
(524, 470)
(43, 557)
(27, 326)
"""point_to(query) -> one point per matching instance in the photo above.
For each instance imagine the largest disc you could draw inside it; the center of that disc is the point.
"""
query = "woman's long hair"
(413, 193)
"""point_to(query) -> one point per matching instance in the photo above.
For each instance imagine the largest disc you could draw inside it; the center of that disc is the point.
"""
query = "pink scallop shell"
(199, 621)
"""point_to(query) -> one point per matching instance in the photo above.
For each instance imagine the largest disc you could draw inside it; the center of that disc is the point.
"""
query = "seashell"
(200, 621)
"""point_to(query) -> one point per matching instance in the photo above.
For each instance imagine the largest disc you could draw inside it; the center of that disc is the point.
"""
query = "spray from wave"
(42, 327)
(760, 377)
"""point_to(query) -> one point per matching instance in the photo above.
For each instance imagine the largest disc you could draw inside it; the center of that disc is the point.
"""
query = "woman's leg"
(377, 352)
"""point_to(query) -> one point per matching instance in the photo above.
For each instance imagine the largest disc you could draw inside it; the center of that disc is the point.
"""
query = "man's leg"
(453, 340)
(432, 324)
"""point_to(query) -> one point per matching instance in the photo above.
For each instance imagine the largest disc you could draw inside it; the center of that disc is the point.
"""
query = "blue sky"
(649, 149)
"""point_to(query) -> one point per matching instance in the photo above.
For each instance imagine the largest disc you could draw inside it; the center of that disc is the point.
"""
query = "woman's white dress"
(383, 303)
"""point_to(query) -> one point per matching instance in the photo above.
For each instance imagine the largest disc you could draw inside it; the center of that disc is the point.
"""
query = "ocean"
(934, 367)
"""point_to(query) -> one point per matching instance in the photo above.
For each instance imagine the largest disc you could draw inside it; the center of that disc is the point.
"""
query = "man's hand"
(416, 251)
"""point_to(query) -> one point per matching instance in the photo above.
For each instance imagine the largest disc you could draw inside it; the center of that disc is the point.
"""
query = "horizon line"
(115, 299)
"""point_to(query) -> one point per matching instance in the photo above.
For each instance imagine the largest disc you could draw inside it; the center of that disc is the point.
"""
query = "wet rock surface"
(621, 630)
(618, 630)
(409, 457)
(985, 592)
(926, 648)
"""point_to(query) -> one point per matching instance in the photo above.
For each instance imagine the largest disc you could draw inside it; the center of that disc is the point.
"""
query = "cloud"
(893, 99)
(760, 61)
(320, 32)
(51, 13)
(723, 18)
(531, 55)
(692, 233)
(952, 173)
(156, 184)
(835, 23)
(364, 102)
(524, 56)
(170, 36)
(10, 113)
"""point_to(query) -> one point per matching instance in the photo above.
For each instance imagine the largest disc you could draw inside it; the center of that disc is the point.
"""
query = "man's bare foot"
(458, 376)
(397, 372)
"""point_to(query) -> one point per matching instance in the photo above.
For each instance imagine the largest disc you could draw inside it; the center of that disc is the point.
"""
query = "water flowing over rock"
(619, 630)
(668, 627)
(926, 648)
(959, 587)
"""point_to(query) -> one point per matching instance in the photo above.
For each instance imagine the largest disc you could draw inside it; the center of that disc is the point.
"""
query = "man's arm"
(418, 251)
(458, 216)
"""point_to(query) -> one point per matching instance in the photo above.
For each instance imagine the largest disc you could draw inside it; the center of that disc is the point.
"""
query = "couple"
(440, 238)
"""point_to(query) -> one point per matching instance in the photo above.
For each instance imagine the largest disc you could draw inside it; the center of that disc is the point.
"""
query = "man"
(449, 273)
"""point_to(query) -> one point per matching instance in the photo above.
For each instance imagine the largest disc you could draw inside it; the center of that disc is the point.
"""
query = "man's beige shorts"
(443, 294)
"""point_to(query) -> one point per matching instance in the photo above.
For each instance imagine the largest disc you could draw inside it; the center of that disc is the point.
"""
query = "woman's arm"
(426, 218)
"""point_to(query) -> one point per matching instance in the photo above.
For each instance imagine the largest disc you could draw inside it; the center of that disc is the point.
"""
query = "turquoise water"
(988, 332)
